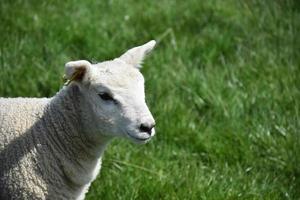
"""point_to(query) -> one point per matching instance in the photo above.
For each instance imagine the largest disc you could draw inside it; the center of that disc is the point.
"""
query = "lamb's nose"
(146, 127)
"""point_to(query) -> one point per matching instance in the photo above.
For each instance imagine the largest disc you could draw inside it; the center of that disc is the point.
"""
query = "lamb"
(51, 148)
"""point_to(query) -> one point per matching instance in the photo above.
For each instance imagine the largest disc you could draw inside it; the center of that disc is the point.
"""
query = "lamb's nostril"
(147, 128)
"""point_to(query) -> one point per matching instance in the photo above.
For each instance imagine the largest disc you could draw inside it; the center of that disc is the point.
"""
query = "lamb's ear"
(136, 55)
(75, 70)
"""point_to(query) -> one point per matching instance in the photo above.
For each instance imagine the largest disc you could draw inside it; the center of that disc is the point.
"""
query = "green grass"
(223, 85)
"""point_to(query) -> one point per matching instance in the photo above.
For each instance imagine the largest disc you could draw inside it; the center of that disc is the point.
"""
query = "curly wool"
(43, 151)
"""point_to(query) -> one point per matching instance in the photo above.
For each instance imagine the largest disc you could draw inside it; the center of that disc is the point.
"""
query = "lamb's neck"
(80, 155)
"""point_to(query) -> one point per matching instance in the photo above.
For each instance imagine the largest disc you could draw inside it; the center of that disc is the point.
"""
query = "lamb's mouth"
(137, 138)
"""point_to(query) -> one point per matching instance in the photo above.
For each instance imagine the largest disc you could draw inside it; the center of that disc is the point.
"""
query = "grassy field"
(223, 85)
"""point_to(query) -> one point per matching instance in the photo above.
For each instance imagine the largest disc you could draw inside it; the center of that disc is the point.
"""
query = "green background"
(223, 84)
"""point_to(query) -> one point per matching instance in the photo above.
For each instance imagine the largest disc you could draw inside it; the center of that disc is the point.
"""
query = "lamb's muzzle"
(147, 127)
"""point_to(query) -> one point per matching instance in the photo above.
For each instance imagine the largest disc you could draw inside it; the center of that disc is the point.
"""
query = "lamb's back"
(33, 161)
(17, 115)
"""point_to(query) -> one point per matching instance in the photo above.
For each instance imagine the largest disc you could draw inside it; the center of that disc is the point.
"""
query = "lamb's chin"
(138, 138)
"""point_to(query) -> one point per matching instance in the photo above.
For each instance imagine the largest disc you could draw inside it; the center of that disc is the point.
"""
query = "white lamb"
(52, 148)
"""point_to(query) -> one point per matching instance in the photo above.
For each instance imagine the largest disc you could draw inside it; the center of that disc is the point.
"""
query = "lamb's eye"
(106, 97)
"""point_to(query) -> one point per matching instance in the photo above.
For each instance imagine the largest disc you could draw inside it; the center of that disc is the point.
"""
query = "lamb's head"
(114, 97)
